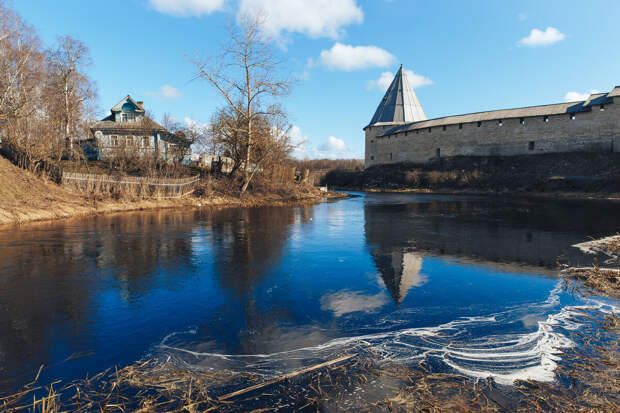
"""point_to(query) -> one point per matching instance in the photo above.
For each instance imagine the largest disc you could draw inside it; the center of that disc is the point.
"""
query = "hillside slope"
(26, 197)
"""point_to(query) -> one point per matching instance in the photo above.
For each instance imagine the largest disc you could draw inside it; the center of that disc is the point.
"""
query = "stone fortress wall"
(592, 125)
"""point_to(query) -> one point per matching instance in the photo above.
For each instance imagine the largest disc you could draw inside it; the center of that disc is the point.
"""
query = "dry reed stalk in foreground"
(588, 379)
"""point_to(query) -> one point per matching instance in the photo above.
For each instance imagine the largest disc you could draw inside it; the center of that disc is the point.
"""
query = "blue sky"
(466, 56)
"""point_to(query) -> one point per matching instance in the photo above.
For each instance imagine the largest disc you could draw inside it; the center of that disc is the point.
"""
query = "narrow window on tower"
(546, 119)
(479, 124)
(390, 156)
(372, 158)
(522, 121)
(602, 108)
(530, 145)
(444, 128)
(572, 116)
(500, 122)
(460, 126)
(429, 130)
(438, 152)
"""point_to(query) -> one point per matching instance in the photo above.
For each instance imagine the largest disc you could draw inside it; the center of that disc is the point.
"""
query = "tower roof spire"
(400, 104)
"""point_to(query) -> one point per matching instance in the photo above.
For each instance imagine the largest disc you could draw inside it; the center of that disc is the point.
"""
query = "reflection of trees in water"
(138, 245)
(491, 230)
(30, 265)
(247, 246)
(247, 243)
(51, 274)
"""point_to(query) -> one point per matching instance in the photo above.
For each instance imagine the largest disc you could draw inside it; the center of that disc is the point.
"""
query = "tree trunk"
(249, 120)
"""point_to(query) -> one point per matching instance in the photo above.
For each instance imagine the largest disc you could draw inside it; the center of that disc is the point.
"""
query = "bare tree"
(21, 67)
(246, 76)
(69, 88)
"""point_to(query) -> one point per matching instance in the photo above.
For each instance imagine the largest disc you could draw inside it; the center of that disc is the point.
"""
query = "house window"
(500, 122)
(429, 130)
(530, 145)
(127, 116)
(522, 121)
(460, 126)
(113, 140)
(602, 108)
(546, 119)
(438, 152)
(444, 128)
(479, 124)
(572, 116)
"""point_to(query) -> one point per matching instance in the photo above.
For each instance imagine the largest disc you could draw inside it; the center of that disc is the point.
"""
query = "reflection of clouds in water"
(346, 302)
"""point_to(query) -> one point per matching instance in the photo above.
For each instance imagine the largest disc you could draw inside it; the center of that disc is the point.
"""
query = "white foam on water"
(504, 357)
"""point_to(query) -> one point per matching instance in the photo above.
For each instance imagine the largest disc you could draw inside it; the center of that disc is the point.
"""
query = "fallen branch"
(286, 376)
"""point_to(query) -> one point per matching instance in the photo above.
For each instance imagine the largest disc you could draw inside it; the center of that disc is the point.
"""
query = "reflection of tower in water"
(400, 272)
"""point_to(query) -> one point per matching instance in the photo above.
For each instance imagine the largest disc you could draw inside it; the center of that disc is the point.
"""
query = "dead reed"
(588, 379)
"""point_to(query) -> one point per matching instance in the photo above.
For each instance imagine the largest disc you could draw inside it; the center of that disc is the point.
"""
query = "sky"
(461, 56)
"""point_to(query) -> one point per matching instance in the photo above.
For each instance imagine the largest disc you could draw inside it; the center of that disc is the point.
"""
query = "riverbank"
(568, 176)
(25, 197)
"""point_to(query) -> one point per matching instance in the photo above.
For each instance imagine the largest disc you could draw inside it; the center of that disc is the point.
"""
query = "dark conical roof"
(400, 104)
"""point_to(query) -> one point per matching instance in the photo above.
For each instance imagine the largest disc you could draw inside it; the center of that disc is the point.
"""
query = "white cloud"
(332, 148)
(166, 92)
(333, 144)
(194, 124)
(576, 96)
(542, 38)
(185, 8)
(347, 302)
(384, 81)
(349, 58)
(316, 18)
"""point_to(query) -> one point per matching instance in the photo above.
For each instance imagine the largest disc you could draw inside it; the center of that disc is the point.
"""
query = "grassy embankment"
(25, 197)
(582, 174)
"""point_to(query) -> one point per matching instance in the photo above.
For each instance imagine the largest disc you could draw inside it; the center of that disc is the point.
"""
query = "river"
(468, 283)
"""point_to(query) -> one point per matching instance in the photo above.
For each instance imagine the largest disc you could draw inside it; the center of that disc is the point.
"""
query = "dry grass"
(588, 379)
(25, 197)
(598, 280)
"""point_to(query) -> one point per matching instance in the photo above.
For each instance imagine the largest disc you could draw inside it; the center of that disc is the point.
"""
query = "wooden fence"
(132, 186)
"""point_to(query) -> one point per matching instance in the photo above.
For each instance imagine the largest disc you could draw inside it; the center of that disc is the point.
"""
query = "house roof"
(146, 124)
(119, 106)
(399, 104)
(525, 112)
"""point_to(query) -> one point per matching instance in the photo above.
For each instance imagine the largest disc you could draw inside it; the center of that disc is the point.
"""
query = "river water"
(467, 283)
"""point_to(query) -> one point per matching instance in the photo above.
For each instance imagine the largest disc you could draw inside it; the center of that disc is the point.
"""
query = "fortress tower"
(399, 106)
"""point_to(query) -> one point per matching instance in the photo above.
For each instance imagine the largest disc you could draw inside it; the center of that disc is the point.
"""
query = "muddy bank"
(577, 175)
